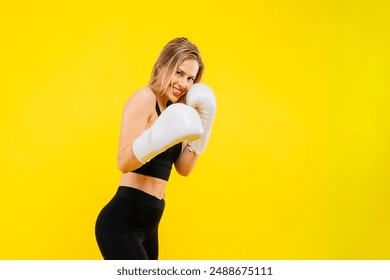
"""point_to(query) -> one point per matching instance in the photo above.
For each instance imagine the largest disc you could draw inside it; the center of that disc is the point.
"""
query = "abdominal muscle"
(150, 185)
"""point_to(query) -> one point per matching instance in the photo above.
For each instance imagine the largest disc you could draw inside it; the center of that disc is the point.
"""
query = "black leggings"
(127, 227)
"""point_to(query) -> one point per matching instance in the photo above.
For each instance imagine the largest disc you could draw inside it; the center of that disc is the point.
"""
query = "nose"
(183, 82)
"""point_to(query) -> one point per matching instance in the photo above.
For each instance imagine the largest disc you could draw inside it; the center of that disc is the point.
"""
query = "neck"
(162, 101)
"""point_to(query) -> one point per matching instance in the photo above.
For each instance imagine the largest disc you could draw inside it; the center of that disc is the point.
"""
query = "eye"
(178, 73)
(191, 79)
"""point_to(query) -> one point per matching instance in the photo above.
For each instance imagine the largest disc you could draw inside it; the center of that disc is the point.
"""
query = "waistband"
(140, 196)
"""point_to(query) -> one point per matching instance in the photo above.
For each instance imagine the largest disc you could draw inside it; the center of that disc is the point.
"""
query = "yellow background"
(298, 163)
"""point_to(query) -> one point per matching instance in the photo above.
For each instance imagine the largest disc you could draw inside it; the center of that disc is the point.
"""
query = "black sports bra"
(161, 165)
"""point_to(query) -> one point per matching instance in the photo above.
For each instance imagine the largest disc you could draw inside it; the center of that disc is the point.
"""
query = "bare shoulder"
(143, 95)
(143, 99)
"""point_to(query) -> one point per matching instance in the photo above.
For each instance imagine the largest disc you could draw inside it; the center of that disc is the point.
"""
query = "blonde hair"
(170, 58)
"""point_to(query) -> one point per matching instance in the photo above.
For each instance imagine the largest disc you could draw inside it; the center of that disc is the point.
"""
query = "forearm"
(186, 162)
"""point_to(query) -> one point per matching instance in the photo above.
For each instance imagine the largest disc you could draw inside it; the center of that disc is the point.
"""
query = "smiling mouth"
(176, 92)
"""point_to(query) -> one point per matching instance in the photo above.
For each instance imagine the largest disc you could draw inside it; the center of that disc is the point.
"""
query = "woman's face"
(183, 79)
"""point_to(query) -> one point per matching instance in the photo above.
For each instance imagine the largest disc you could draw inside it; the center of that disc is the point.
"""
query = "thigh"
(129, 247)
(151, 246)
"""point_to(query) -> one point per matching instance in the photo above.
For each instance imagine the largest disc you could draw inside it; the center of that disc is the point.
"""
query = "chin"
(174, 99)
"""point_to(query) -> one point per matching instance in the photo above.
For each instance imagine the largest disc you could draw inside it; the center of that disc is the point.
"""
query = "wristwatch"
(191, 149)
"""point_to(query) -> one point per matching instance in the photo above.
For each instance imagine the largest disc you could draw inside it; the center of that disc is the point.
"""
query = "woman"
(163, 124)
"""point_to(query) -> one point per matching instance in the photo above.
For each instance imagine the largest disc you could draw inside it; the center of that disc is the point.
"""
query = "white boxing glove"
(202, 98)
(176, 123)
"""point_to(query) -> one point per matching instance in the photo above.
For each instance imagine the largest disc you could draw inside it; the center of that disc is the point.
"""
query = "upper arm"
(136, 116)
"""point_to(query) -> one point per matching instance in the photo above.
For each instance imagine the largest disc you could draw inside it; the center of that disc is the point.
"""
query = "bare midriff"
(151, 185)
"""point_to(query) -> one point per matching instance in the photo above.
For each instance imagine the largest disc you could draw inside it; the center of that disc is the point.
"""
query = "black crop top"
(161, 165)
